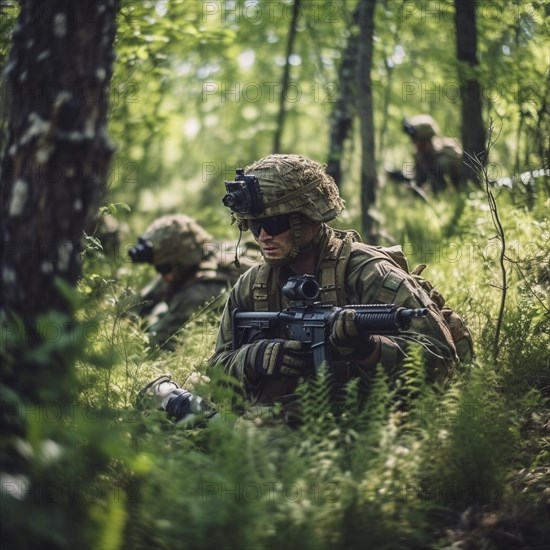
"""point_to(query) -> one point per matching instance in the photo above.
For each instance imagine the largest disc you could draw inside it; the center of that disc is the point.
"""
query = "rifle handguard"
(380, 323)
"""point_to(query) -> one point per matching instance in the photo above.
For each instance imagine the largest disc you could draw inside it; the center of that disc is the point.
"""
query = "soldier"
(188, 275)
(286, 209)
(437, 160)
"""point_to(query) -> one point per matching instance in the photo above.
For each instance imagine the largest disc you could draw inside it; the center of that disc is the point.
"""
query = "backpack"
(460, 333)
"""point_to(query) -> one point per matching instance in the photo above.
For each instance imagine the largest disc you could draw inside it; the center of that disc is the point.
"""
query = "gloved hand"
(275, 358)
(345, 336)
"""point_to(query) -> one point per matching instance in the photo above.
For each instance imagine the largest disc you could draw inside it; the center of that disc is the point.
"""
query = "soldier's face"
(169, 278)
(423, 145)
(278, 247)
(275, 247)
(167, 273)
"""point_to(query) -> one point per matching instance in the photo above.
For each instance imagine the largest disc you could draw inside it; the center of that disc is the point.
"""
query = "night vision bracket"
(142, 252)
(244, 195)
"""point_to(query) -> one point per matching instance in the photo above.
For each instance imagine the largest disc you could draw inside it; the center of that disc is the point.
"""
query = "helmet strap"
(236, 262)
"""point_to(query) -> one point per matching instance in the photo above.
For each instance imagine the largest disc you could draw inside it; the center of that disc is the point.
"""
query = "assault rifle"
(310, 322)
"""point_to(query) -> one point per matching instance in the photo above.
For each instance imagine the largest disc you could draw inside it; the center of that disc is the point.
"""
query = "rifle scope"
(302, 288)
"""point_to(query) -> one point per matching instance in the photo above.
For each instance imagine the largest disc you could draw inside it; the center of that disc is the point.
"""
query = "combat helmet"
(283, 184)
(421, 126)
(174, 239)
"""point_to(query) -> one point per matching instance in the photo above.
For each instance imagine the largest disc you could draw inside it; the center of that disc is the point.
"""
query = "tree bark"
(473, 129)
(56, 159)
(365, 110)
(286, 77)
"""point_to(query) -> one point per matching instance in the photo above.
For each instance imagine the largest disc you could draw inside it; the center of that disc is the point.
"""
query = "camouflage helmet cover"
(292, 183)
(425, 127)
(176, 239)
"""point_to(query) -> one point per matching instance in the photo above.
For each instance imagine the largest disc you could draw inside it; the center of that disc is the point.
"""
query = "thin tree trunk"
(341, 118)
(382, 135)
(281, 116)
(473, 129)
(385, 109)
(365, 111)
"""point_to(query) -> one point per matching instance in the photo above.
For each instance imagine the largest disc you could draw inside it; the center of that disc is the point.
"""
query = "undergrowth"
(409, 465)
(390, 464)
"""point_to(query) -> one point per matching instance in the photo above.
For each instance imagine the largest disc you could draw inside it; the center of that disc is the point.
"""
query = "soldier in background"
(437, 160)
(190, 274)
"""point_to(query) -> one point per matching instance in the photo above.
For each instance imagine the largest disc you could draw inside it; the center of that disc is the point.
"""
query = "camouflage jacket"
(370, 277)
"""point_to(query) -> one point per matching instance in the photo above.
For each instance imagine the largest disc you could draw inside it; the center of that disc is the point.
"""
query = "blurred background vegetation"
(195, 94)
(196, 89)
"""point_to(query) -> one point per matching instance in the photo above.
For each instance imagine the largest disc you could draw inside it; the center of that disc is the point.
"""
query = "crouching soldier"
(286, 202)
(437, 159)
(189, 275)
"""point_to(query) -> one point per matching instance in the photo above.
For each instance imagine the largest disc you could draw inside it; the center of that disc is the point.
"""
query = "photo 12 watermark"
(21, 488)
(271, 11)
(268, 92)
(446, 493)
(452, 91)
(439, 11)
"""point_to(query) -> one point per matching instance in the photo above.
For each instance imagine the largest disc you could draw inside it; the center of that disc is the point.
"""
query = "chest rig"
(331, 274)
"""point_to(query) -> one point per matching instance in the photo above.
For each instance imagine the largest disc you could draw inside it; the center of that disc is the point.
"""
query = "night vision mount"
(409, 128)
(244, 195)
(142, 252)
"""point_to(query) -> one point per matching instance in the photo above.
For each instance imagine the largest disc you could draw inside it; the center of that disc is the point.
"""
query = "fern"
(316, 407)
(479, 443)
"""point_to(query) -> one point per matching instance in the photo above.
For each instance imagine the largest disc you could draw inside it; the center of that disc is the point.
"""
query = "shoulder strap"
(332, 269)
(265, 293)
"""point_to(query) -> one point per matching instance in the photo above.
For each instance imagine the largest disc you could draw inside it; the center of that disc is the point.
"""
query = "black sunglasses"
(163, 269)
(274, 225)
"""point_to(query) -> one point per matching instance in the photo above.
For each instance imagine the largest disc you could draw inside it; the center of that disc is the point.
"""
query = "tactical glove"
(275, 358)
(345, 336)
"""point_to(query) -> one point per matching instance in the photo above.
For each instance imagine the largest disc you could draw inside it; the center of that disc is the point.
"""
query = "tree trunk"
(365, 111)
(54, 170)
(56, 159)
(341, 118)
(286, 77)
(473, 129)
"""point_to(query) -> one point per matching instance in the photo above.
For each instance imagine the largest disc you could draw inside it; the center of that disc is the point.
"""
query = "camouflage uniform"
(348, 271)
(440, 167)
(178, 241)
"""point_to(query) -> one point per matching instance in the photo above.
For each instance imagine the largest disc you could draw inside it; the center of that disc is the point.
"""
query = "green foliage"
(54, 448)
(196, 88)
(398, 463)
